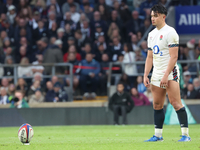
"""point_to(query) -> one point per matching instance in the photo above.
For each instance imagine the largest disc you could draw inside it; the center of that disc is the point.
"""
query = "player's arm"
(148, 66)
(148, 63)
(173, 51)
(173, 43)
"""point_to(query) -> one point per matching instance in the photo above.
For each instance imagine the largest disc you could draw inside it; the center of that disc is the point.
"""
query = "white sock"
(158, 132)
(185, 131)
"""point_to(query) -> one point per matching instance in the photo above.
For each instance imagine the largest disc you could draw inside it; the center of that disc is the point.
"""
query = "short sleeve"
(173, 39)
(148, 43)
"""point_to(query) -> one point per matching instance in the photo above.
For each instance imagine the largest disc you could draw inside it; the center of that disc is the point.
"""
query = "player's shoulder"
(153, 31)
(170, 29)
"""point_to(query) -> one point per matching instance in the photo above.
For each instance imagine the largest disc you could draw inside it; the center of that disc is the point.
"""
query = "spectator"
(50, 55)
(87, 49)
(196, 84)
(89, 74)
(97, 19)
(191, 55)
(145, 8)
(24, 71)
(3, 97)
(22, 86)
(190, 92)
(116, 19)
(52, 7)
(19, 101)
(140, 85)
(5, 83)
(86, 29)
(129, 57)
(40, 7)
(11, 91)
(11, 14)
(116, 49)
(139, 57)
(21, 24)
(149, 94)
(139, 98)
(51, 19)
(66, 6)
(103, 75)
(70, 41)
(72, 49)
(88, 10)
(100, 52)
(123, 11)
(35, 86)
(22, 54)
(102, 2)
(134, 41)
(50, 94)
(100, 40)
(23, 4)
(113, 26)
(146, 26)
(58, 8)
(98, 32)
(182, 56)
(37, 64)
(126, 82)
(40, 31)
(68, 20)
(144, 49)
(137, 3)
(53, 30)
(60, 94)
(72, 60)
(81, 40)
(8, 71)
(105, 14)
(187, 78)
(60, 34)
(59, 43)
(37, 97)
(120, 103)
(75, 16)
(115, 34)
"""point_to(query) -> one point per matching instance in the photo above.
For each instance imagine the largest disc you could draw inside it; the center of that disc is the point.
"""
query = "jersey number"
(156, 50)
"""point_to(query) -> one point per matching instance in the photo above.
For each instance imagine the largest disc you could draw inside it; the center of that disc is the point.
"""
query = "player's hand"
(146, 82)
(164, 81)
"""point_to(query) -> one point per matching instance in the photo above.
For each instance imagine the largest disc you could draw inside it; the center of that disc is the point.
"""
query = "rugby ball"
(25, 133)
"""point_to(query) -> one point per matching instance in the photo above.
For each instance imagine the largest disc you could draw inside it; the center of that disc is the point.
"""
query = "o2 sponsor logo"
(156, 50)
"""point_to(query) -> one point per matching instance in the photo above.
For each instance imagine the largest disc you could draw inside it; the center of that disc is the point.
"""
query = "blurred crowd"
(86, 33)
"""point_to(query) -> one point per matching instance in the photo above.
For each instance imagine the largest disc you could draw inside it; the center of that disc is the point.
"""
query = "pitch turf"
(128, 137)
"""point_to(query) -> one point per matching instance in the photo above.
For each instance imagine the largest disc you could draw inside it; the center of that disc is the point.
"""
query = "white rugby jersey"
(159, 41)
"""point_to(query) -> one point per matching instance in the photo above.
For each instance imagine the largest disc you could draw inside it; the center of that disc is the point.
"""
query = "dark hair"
(120, 82)
(159, 9)
(130, 49)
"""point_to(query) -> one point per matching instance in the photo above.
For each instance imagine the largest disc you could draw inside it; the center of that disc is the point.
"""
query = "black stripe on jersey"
(175, 76)
(173, 45)
(150, 49)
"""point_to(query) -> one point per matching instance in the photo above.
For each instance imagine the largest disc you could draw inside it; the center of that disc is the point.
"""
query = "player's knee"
(157, 106)
(175, 104)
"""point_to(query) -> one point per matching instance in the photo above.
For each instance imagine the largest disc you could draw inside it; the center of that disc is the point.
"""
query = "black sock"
(159, 117)
(182, 117)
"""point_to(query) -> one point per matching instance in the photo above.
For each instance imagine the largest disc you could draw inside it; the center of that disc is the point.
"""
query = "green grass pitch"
(128, 137)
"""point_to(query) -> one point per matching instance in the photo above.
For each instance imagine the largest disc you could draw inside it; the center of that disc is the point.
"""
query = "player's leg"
(159, 116)
(173, 91)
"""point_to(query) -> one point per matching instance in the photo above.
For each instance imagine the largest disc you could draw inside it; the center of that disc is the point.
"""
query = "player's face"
(157, 18)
